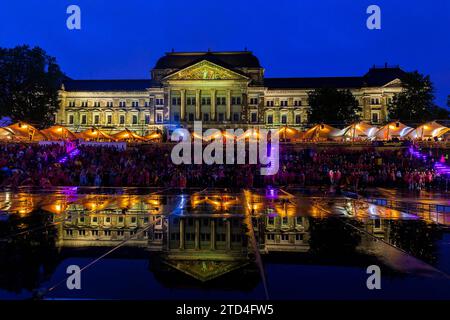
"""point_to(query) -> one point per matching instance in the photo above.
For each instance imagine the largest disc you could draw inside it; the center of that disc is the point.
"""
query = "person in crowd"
(151, 166)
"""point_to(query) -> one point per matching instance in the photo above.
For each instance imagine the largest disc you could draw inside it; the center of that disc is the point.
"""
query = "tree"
(29, 83)
(333, 106)
(438, 113)
(414, 104)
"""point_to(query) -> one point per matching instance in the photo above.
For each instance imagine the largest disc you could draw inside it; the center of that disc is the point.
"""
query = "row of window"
(236, 117)
(298, 119)
(220, 101)
(134, 119)
(284, 220)
(107, 233)
(108, 219)
(220, 237)
(190, 117)
(377, 101)
(284, 103)
(284, 237)
(191, 101)
(110, 104)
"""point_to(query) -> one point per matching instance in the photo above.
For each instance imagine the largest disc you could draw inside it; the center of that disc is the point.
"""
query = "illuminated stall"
(58, 133)
(430, 130)
(320, 132)
(289, 134)
(393, 130)
(360, 131)
(128, 136)
(21, 131)
(95, 134)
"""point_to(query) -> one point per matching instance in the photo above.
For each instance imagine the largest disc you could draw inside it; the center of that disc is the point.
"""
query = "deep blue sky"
(123, 39)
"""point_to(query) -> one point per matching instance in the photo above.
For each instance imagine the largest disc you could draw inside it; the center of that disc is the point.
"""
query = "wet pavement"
(217, 244)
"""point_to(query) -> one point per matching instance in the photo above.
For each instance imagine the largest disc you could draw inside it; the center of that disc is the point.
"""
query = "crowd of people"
(151, 166)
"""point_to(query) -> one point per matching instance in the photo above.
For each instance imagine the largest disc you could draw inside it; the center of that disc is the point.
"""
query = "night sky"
(123, 39)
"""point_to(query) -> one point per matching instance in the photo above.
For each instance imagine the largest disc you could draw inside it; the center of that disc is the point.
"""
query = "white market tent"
(320, 132)
(21, 131)
(393, 130)
(428, 130)
(357, 132)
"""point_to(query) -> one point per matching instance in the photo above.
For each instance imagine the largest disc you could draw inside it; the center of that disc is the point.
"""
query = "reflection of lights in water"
(182, 202)
(271, 193)
(373, 210)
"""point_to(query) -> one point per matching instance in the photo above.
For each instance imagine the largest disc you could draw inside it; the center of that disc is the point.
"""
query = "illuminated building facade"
(222, 89)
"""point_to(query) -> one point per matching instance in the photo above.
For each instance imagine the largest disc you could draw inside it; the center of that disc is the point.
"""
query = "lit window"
(159, 117)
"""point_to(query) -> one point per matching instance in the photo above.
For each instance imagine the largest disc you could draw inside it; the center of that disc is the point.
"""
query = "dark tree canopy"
(333, 106)
(415, 104)
(29, 83)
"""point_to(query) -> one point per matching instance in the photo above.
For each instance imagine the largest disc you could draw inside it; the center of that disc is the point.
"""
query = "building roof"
(377, 76)
(231, 59)
(308, 83)
(107, 85)
(380, 76)
(374, 78)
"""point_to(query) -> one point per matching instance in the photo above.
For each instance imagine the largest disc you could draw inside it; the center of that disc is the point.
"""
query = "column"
(197, 234)
(228, 235)
(197, 105)
(228, 105)
(213, 104)
(62, 118)
(181, 233)
(166, 234)
(169, 105)
(115, 119)
(213, 234)
(183, 105)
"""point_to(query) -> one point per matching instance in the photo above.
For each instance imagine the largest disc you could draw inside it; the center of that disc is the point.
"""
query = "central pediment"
(205, 70)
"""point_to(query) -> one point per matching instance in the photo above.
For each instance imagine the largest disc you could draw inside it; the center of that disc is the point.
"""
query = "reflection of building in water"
(286, 233)
(105, 229)
(204, 246)
(107, 222)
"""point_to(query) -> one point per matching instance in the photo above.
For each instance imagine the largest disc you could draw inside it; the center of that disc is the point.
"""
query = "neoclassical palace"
(222, 89)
